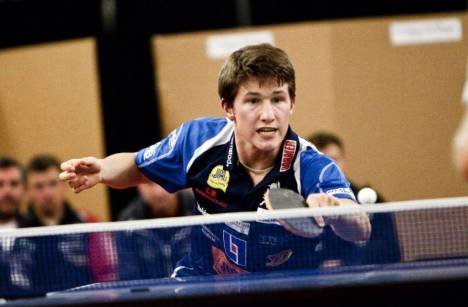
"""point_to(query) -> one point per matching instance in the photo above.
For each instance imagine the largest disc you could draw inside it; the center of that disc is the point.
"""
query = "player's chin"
(271, 141)
(267, 146)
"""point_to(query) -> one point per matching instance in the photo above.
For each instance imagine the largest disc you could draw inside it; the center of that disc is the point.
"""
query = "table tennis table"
(441, 282)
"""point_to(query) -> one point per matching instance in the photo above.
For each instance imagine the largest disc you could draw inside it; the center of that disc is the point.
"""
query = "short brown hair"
(262, 61)
(42, 162)
(8, 162)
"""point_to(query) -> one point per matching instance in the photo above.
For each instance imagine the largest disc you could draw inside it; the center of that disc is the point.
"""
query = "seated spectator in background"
(460, 139)
(332, 146)
(155, 202)
(55, 262)
(47, 204)
(153, 253)
(12, 191)
(12, 273)
(382, 246)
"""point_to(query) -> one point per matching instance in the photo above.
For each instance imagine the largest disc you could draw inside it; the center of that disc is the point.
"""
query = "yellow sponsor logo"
(218, 178)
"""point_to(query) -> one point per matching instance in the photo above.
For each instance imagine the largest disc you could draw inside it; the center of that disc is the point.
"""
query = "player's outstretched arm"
(351, 227)
(118, 171)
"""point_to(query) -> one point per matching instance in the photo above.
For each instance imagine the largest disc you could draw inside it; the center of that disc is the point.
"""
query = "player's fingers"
(266, 198)
(324, 200)
(76, 181)
(319, 220)
(88, 162)
(316, 200)
(69, 165)
(333, 201)
(83, 184)
(66, 176)
(313, 201)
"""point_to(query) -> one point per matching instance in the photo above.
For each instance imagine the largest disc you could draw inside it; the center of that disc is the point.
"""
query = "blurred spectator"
(47, 204)
(382, 247)
(12, 190)
(154, 202)
(152, 253)
(460, 139)
(332, 146)
(12, 275)
(42, 264)
(460, 146)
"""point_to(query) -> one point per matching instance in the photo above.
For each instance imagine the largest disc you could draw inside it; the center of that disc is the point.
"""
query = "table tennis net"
(35, 261)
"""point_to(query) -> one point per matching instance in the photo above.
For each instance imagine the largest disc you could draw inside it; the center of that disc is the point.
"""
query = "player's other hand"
(322, 200)
(81, 174)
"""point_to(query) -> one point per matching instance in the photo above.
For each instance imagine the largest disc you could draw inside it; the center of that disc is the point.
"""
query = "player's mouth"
(267, 131)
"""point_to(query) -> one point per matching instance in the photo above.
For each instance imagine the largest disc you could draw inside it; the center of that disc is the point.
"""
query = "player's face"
(45, 191)
(261, 115)
(11, 191)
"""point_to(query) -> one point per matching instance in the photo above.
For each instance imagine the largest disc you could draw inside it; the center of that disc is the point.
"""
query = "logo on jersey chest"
(235, 248)
(230, 153)
(218, 178)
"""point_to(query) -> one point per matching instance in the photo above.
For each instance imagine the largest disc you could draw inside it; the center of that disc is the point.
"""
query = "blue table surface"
(256, 282)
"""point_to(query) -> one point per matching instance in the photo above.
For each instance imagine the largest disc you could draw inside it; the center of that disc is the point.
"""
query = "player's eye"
(277, 99)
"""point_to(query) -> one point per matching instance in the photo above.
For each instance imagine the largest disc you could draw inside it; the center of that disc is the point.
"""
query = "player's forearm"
(351, 227)
(120, 171)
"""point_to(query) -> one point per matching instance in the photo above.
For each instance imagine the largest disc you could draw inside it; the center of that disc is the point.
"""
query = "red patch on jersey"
(222, 265)
(208, 194)
(289, 149)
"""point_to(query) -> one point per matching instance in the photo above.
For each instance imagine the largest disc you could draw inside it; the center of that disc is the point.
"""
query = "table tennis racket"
(279, 198)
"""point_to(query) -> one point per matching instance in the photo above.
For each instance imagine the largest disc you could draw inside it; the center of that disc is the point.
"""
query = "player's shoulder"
(312, 161)
(201, 134)
(309, 153)
(206, 126)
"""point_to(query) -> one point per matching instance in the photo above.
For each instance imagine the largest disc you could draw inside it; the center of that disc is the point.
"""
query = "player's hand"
(81, 174)
(322, 200)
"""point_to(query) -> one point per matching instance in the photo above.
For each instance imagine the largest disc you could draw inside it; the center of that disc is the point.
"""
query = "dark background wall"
(123, 30)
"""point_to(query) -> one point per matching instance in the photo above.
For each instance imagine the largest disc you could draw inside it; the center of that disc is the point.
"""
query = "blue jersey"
(202, 154)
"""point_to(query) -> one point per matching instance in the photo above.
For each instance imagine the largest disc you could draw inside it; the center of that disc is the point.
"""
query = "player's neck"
(256, 161)
(256, 174)
(255, 171)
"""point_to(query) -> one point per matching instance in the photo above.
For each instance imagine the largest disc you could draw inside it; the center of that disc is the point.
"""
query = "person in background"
(56, 262)
(12, 190)
(153, 253)
(331, 145)
(460, 146)
(13, 263)
(153, 201)
(460, 139)
(47, 204)
(382, 246)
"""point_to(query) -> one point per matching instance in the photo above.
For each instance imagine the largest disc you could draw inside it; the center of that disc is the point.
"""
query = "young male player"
(230, 163)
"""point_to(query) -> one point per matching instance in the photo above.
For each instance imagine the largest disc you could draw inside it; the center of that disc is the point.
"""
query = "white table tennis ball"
(367, 196)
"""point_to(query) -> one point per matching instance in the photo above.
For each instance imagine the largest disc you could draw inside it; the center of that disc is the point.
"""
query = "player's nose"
(267, 112)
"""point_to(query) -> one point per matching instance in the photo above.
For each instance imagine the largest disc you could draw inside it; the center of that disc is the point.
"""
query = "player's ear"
(228, 109)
